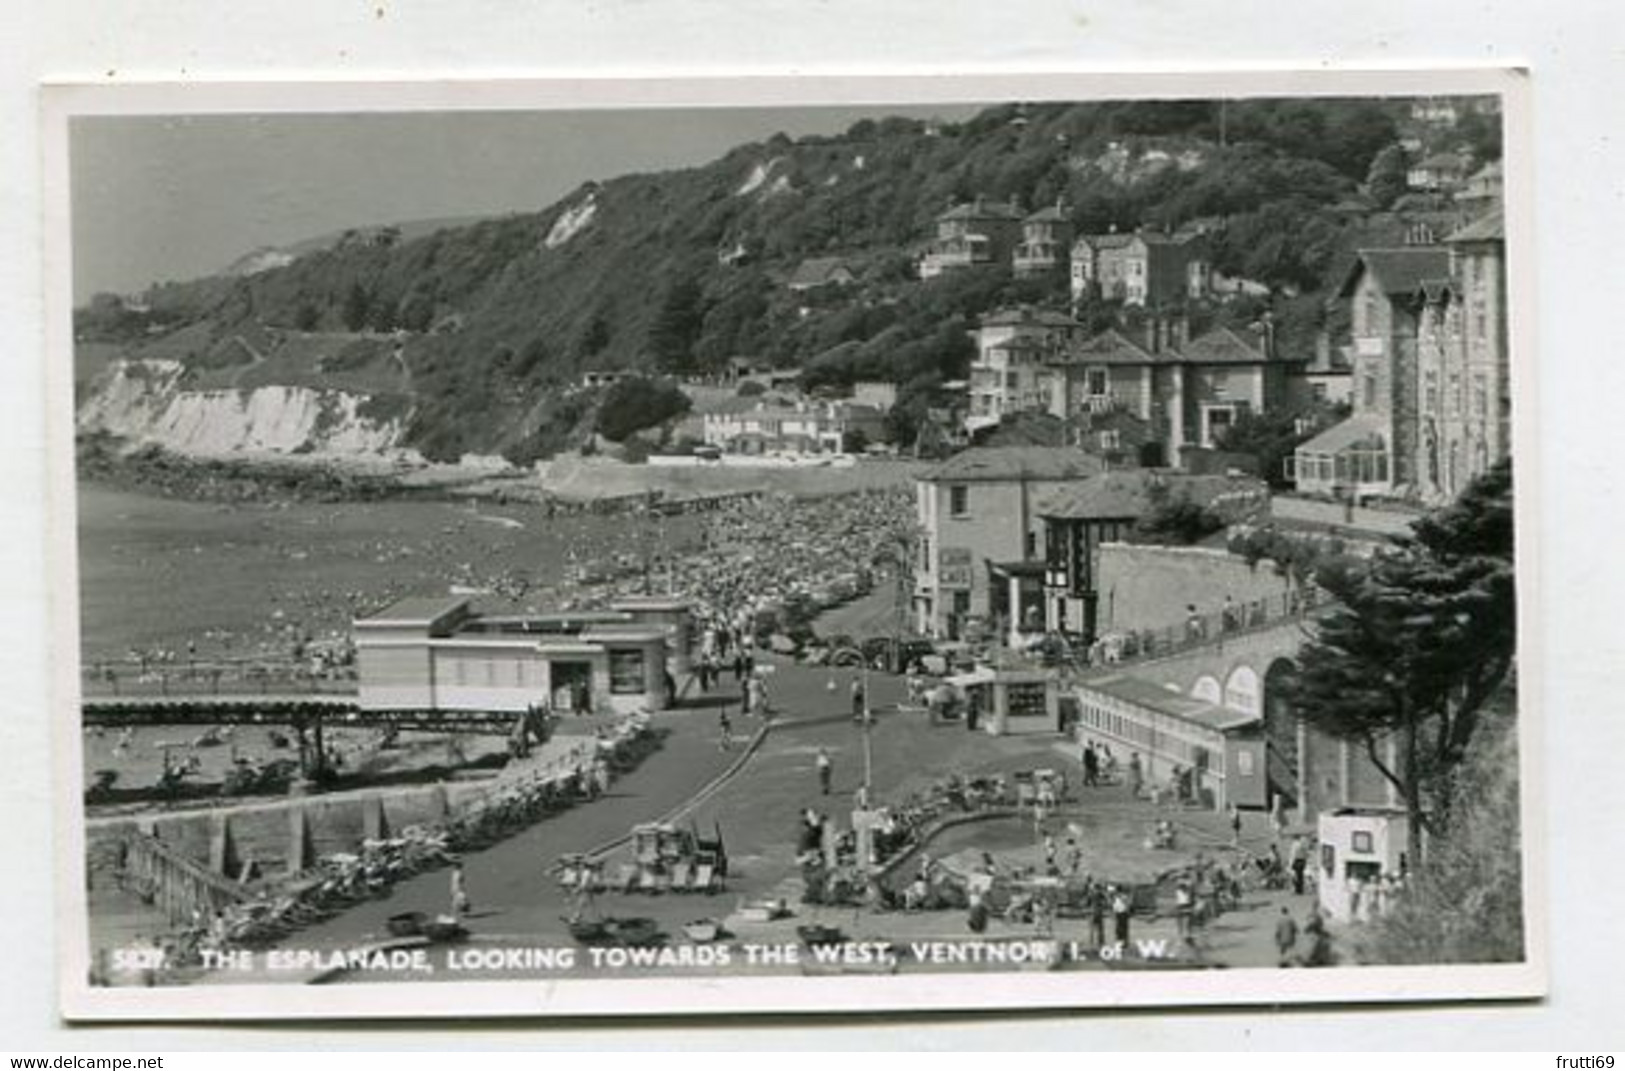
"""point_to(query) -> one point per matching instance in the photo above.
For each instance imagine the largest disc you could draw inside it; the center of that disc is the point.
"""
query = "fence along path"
(182, 889)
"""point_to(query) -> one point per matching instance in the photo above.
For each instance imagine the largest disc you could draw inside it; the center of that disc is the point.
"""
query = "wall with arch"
(1251, 672)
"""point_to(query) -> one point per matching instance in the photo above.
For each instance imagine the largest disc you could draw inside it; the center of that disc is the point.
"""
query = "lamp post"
(868, 750)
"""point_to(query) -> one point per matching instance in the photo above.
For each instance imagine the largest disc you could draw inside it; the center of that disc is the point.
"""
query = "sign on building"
(956, 567)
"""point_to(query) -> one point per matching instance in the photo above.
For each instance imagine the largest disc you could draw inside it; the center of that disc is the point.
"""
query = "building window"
(1369, 388)
(1026, 700)
(626, 672)
(1111, 440)
(958, 500)
(1031, 550)
(1220, 384)
(925, 555)
(1096, 381)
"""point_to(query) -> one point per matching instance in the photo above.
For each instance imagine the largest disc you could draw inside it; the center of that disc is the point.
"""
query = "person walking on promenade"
(725, 724)
(826, 771)
(1286, 937)
(1120, 914)
(859, 704)
(460, 905)
(1235, 825)
(1300, 863)
(1091, 765)
(1320, 942)
(1097, 915)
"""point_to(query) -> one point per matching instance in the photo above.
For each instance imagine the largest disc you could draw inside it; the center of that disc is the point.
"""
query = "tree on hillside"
(1386, 180)
(677, 324)
(1466, 905)
(594, 337)
(634, 404)
(1419, 641)
(1481, 133)
(356, 306)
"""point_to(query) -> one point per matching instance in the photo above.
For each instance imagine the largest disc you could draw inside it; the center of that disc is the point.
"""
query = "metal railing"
(222, 678)
(1198, 630)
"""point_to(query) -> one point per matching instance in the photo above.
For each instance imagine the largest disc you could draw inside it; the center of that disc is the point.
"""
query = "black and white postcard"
(652, 547)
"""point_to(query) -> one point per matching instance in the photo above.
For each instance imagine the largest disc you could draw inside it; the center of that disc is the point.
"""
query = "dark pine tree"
(1420, 641)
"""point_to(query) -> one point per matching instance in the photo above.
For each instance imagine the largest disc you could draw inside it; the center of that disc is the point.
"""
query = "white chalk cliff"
(143, 402)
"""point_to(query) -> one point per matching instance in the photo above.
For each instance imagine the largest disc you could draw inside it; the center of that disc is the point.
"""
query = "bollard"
(374, 825)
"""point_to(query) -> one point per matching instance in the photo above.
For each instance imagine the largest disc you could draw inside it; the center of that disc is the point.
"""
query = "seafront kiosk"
(1020, 702)
(1359, 847)
(669, 614)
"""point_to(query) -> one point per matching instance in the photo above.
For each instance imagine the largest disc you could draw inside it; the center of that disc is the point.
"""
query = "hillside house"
(816, 273)
(1009, 373)
(1046, 241)
(1482, 190)
(1144, 268)
(980, 234)
(1187, 391)
(1464, 394)
(1374, 451)
(803, 428)
(1439, 172)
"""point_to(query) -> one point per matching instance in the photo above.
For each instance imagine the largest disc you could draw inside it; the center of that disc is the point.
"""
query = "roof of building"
(1016, 463)
(418, 610)
(1443, 161)
(1163, 238)
(1130, 493)
(1050, 214)
(980, 209)
(1106, 241)
(1027, 314)
(818, 271)
(1489, 228)
(1017, 343)
(1168, 701)
(1110, 346)
(1399, 271)
(1224, 345)
(1351, 432)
